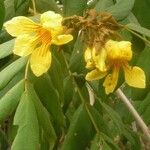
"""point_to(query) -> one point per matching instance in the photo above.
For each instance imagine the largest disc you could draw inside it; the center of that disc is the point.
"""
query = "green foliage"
(140, 9)
(74, 7)
(43, 118)
(26, 120)
(139, 29)
(80, 131)
(2, 13)
(10, 71)
(60, 109)
(10, 100)
(121, 9)
(6, 49)
(45, 5)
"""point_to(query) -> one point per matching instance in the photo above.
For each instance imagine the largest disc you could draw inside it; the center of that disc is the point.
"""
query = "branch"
(134, 113)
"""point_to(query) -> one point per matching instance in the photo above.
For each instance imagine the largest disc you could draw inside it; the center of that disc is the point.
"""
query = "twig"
(134, 113)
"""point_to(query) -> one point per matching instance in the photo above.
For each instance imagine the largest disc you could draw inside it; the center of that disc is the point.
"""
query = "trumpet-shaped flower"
(35, 39)
(118, 56)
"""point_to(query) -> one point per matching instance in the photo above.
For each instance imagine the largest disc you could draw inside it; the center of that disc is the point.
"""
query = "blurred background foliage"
(55, 111)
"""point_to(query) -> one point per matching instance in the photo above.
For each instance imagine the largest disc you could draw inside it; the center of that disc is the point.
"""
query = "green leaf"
(10, 71)
(17, 78)
(27, 137)
(114, 116)
(10, 11)
(74, 7)
(3, 140)
(21, 7)
(138, 29)
(121, 9)
(99, 120)
(77, 62)
(144, 108)
(56, 75)
(45, 5)
(80, 131)
(68, 92)
(110, 141)
(10, 100)
(99, 143)
(142, 11)
(2, 13)
(50, 98)
(118, 123)
(102, 5)
(6, 49)
(43, 117)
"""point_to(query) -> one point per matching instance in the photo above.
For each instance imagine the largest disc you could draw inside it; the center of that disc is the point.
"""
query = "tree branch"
(134, 113)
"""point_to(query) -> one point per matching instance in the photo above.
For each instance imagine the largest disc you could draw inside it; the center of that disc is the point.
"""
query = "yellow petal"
(40, 61)
(90, 65)
(100, 59)
(24, 45)
(95, 75)
(88, 54)
(62, 39)
(111, 81)
(118, 50)
(20, 25)
(52, 22)
(88, 59)
(52, 18)
(135, 76)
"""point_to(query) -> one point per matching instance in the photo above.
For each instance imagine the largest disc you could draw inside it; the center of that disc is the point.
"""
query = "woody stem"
(134, 113)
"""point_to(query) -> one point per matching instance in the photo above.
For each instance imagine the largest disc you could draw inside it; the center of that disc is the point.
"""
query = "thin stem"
(80, 95)
(26, 75)
(34, 7)
(134, 113)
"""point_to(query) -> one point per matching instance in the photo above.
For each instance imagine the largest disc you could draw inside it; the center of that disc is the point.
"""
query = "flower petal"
(62, 39)
(40, 61)
(100, 59)
(20, 25)
(135, 76)
(118, 50)
(95, 75)
(24, 45)
(88, 58)
(52, 21)
(111, 81)
(52, 18)
(88, 54)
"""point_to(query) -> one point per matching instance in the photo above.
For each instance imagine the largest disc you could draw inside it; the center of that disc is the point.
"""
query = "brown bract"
(96, 28)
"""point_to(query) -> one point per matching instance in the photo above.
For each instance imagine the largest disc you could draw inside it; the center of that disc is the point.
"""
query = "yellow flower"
(36, 38)
(95, 58)
(118, 55)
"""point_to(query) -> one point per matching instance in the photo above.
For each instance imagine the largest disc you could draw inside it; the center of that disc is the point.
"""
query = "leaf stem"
(134, 113)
